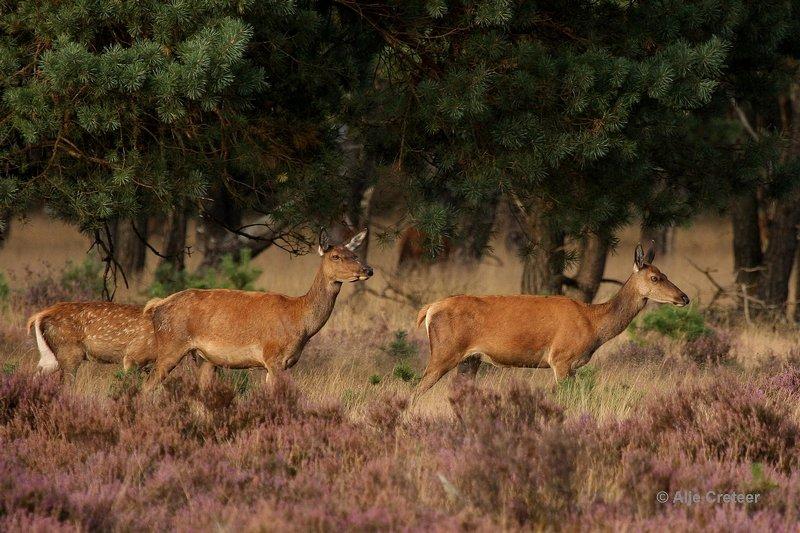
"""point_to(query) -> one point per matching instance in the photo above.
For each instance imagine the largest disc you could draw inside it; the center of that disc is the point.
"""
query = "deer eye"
(654, 278)
(335, 257)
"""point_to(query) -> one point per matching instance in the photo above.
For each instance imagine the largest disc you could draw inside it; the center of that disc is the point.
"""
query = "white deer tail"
(47, 359)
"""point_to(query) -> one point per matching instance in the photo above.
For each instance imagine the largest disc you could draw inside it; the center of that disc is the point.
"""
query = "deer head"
(651, 283)
(340, 262)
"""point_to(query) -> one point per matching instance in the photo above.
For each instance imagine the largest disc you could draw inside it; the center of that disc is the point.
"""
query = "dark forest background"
(265, 122)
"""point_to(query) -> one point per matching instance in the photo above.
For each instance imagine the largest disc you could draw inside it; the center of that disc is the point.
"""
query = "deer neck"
(616, 314)
(319, 301)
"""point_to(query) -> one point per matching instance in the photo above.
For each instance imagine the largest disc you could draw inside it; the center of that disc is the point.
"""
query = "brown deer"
(244, 329)
(68, 333)
(536, 331)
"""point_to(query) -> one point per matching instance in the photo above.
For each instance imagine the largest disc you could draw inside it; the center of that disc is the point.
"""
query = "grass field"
(334, 448)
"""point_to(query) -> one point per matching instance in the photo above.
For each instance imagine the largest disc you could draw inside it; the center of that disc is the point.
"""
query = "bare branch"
(150, 247)
(106, 249)
(744, 120)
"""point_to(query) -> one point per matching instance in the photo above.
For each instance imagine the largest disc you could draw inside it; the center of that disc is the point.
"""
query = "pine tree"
(580, 114)
(115, 110)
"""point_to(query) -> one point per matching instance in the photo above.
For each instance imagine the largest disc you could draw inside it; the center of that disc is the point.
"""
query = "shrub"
(231, 274)
(77, 282)
(674, 322)
(83, 278)
(400, 347)
(404, 371)
(632, 353)
(773, 363)
(711, 349)
(22, 397)
(386, 413)
(126, 382)
(787, 380)
(374, 379)
(726, 421)
(511, 454)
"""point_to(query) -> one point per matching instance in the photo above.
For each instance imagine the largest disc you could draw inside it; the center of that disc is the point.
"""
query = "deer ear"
(638, 258)
(651, 253)
(356, 241)
(324, 244)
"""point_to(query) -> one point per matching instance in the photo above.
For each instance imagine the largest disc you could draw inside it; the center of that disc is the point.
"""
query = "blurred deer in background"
(536, 331)
(68, 333)
(246, 329)
(413, 252)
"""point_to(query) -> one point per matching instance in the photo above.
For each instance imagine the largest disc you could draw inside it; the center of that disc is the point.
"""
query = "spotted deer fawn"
(68, 333)
(244, 329)
(536, 331)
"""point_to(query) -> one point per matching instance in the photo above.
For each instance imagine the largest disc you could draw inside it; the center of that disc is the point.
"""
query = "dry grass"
(338, 363)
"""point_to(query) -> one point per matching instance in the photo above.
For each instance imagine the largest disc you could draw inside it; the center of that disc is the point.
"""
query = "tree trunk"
(773, 284)
(543, 268)
(747, 255)
(359, 168)
(175, 239)
(129, 248)
(594, 250)
(213, 233)
(797, 285)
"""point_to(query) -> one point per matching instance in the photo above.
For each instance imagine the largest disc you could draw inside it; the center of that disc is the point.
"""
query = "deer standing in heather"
(246, 329)
(67, 333)
(536, 331)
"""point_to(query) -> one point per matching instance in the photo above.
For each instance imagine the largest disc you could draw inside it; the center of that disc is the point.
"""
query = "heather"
(271, 457)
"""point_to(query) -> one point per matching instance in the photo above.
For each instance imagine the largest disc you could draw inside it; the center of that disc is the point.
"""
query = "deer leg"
(274, 377)
(138, 354)
(469, 367)
(169, 355)
(437, 367)
(561, 363)
(274, 369)
(206, 374)
(429, 379)
(161, 370)
(563, 371)
(69, 359)
(445, 356)
(581, 361)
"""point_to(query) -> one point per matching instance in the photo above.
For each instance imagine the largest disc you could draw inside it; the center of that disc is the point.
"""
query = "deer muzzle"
(365, 273)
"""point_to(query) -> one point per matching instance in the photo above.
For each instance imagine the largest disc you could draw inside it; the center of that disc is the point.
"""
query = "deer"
(69, 333)
(535, 331)
(413, 252)
(251, 329)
